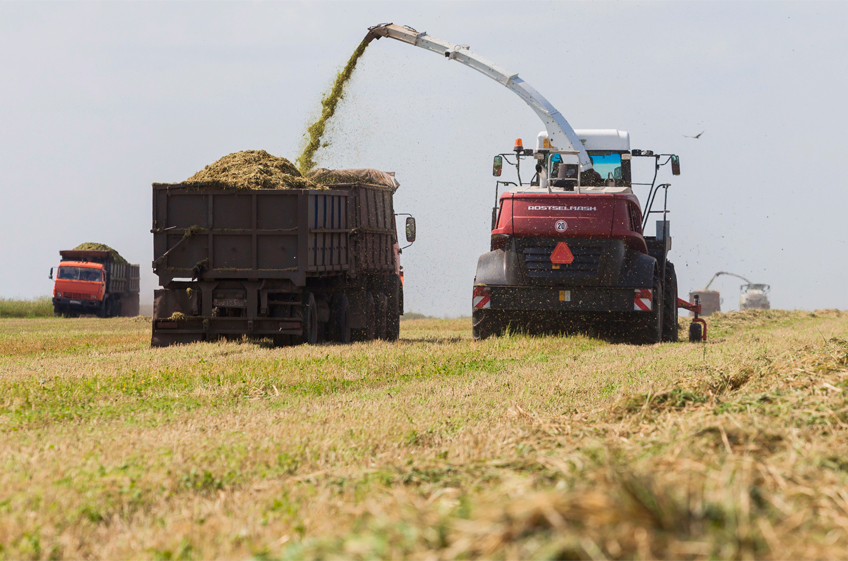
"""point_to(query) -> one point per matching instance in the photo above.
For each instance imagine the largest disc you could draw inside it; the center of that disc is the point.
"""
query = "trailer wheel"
(370, 317)
(393, 310)
(380, 308)
(670, 305)
(339, 327)
(310, 319)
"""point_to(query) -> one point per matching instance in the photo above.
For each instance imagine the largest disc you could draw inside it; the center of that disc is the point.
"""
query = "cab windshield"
(608, 166)
(78, 273)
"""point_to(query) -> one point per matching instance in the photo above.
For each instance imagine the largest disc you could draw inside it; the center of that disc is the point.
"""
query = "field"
(433, 447)
(34, 308)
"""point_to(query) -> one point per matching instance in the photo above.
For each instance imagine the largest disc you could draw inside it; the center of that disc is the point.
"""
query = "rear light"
(499, 241)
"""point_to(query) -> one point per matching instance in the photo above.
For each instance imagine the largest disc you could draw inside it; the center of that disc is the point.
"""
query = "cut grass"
(434, 446)
(41, 307)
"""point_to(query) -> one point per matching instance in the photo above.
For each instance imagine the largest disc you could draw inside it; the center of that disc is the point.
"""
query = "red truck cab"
(92, 282)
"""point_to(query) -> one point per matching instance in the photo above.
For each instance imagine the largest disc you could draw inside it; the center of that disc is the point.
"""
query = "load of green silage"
(249, 170)
(91, 246)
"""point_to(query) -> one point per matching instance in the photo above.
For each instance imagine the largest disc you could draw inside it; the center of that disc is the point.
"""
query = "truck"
(752, 296)
(291, 265)
(94, 282)
(568, 249)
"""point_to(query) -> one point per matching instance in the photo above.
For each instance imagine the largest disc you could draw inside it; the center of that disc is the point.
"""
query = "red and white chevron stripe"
(643, 300)
(481, 298)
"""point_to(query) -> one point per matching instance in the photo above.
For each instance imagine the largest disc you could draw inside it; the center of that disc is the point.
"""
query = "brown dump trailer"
(710, 301)
(295, 265)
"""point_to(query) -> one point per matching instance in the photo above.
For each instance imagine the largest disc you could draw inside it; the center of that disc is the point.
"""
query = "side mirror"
(497, 166)
(675, 165)
(410, 229)
(51, 274)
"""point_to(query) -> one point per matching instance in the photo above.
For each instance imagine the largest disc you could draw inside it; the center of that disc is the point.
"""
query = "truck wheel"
(648, 326)
(380, 308)
(484, 325)
(339, 327)
(104, 309)
(370, 317)
(696, 332)
(670, 305)
(310, 319)
(393, 310)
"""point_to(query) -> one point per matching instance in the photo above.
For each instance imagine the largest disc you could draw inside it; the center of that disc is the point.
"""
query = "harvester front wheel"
(648, 327)
(484, 325)
(670, 305)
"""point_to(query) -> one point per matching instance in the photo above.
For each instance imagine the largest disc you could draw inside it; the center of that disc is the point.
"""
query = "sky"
(100, 100)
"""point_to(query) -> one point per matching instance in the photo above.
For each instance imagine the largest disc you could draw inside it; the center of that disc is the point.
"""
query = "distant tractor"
(753, 296)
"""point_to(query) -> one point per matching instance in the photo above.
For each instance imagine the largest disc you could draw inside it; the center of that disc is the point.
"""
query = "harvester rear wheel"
(670, 305)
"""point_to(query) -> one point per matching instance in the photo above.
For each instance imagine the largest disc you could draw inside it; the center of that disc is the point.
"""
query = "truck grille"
(75, 296)
(587, 260)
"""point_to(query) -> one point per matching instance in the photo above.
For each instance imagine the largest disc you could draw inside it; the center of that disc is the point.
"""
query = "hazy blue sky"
(99, 100)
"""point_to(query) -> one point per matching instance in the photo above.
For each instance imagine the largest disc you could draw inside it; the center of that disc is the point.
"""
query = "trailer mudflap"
(576, 299)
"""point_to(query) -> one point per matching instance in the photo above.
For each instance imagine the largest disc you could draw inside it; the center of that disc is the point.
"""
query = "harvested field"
(92, 246)
(251, 169)
(433, 447)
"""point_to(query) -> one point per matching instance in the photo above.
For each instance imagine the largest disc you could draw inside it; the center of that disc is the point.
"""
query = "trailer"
(93, 282)
(293, 265)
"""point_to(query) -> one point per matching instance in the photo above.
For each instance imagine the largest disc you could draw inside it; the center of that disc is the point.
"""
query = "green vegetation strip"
(35, 308)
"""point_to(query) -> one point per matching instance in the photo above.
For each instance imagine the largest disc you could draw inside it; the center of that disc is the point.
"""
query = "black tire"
(339, 327)
(647, 329)
(370, 317)
(670, 327)
(104, 309)
(484, 324)
(393, 309)
(696, 332)
(380, 307)
(310, 319)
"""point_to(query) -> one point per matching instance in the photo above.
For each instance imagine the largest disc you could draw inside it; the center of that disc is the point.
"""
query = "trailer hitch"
(698, 329)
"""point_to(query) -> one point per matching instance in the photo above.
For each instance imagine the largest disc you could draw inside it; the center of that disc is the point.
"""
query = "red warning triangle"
(562, 255)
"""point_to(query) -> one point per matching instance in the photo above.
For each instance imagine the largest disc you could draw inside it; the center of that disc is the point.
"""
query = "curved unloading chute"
(560, 133)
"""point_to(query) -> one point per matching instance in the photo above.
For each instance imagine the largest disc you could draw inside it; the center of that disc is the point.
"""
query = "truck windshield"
(78, 273)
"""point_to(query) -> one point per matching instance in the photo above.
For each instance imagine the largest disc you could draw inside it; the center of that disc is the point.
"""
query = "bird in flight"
(696, 136)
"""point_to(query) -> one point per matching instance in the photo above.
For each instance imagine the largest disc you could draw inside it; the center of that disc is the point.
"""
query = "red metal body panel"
(595, 216)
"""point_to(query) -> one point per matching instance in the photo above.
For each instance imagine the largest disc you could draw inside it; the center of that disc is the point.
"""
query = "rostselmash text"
(563, 208)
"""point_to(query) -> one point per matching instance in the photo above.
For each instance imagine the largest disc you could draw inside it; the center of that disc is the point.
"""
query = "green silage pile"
(91, 246)
(251, 169)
